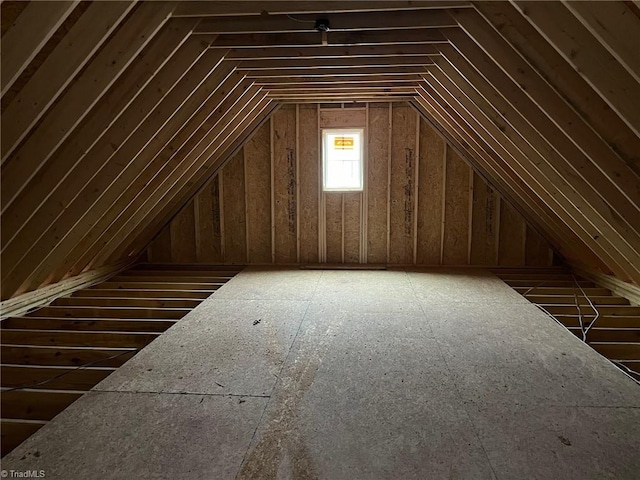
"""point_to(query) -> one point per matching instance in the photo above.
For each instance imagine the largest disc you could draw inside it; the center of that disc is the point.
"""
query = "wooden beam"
(87, 324)
(28, 34)
(231, 98)
(216, 153)
(624, 289)
(88, 88)
(65, 356)
(51, 215)
(339, 22)
(227, 8)
(565, 80)
(206, 103)
(59, 69)
(616, 26)
(70, 338)
(503, 63)
(590, 58)
(337, 72)
(27, 301)
(320, 63)
(160, 66)
(332, 51)
(528, 163)
(379, 37)
(69, 378)
(14, 432)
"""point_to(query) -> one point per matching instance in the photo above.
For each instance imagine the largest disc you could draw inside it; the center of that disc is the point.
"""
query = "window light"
(342, 159)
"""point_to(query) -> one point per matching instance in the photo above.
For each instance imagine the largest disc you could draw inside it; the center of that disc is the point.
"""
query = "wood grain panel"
(284, 182)
(258, 195)
(183, 239)
(460, 218)
(484, 231)
(431, 170)
(351, 221)
(235, 236)
(512, 236)
(403, 165)
(456, 211)
(377, 182)
(333, 209)
(308, 160)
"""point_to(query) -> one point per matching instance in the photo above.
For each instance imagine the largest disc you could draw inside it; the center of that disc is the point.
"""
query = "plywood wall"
(422, 204)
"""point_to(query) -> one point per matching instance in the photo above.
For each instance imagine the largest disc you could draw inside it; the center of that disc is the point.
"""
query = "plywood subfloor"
(333, 374)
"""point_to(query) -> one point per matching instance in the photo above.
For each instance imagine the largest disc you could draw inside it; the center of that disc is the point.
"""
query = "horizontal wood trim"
(59, 378)
(627, 290)
(43, 296)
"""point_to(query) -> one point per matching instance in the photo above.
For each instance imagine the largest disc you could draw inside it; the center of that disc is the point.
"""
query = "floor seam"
(244, 456)
(202, 394)
(484, 450)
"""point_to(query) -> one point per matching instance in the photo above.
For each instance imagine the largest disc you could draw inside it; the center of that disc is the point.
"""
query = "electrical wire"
(80, 367)
(300, 21)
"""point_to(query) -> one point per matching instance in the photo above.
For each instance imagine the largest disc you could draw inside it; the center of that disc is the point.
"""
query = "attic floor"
(333, 374)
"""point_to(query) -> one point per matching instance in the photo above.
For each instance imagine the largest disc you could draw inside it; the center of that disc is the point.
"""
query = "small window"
(342, 159)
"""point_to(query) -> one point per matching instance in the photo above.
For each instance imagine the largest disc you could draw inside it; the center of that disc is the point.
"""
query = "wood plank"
(512, 236)
(562, 291)
(140, 293)
(333, 225)
(571, 299)
(68, 338)
(339, 22)
(65, 356)
(258, 195)
(601, 334)
(536, 252)
(430, 195)
(284, 183)
(485, 226)
(378, 37)
(183, 244)
(174, 286)
(456, 211)
(343, 118)
(131, 301)
(173, 119)
(227, 8)
(115, 312)
(168, 280)
(403, 166)
(189, 267)
(588, 57)
(100, 74)
(615, 26)
(160, 250)
(59, 68)
(85, 324)
(352, 226)
(36, 404)
(607, 310)
(617, 350)
(175, 174)
(28, 34)
(43, 296)
(603, 321)
(378, 148)
(205, 250)
(309, 161)
(92, 145)
(14, 432)
(235, 221)
(67, 378)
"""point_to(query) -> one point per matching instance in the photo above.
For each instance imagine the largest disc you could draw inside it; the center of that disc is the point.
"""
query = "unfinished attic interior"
(320, 239)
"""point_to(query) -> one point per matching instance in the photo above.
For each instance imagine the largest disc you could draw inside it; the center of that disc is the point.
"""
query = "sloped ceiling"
(114, 114)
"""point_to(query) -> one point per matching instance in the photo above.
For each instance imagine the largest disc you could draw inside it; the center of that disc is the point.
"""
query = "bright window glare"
(342, 159)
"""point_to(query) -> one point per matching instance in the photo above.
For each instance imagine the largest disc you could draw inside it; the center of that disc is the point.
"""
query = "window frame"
(346, 131)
